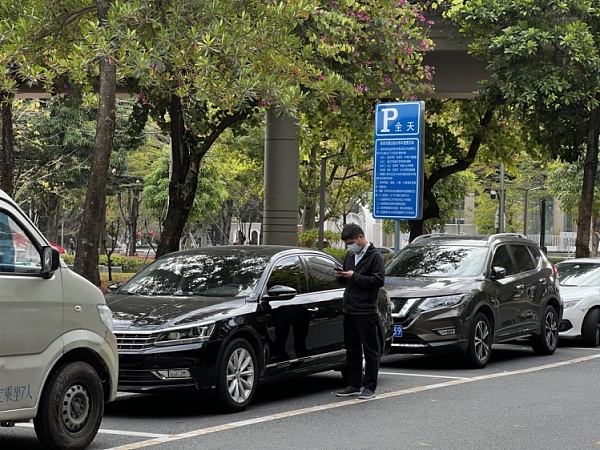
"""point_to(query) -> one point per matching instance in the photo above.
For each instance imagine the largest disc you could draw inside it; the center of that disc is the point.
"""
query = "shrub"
(128, 264)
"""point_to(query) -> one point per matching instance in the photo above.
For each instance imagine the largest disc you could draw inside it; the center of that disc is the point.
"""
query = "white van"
(58, 355)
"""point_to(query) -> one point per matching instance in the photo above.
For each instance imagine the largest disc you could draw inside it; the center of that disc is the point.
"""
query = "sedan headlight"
(188, 335)
(439, 302)
(571, 303)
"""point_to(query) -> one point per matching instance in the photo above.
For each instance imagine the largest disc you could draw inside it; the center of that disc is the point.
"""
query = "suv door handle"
(543, 281)
(315, 309)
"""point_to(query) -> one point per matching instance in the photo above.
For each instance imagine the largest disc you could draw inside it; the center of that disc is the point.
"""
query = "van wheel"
(238, 376)
(480, 342)
(545, 343)
(590, 331)
(71, 408)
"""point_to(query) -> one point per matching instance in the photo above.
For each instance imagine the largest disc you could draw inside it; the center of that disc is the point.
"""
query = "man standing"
(363, 275)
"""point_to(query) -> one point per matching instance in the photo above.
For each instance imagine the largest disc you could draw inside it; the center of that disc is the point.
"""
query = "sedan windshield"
(579, 274)
(210, 275)
(437, 261)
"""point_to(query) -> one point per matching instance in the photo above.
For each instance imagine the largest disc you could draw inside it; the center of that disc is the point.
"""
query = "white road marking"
(117, 432)
(340, 404)
(422, 375)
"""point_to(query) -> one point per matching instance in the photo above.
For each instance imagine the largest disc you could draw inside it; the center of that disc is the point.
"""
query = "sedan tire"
(238, 376)
(545, 343)
(480, 342)
(590, 331)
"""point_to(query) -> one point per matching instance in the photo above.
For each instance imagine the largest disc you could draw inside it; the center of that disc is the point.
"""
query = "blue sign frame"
(398, 170)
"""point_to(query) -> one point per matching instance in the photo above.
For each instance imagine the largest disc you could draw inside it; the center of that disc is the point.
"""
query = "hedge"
(128, 264)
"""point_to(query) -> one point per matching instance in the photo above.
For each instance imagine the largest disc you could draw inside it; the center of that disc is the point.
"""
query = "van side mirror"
(50, 261)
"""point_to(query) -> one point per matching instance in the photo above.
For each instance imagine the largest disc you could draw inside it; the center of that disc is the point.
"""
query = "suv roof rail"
(421, 237)
(499, 235)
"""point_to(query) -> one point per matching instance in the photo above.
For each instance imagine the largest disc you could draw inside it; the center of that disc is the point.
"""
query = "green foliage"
(129, 264)
(339, 253)
(543, 59)
(565, 183)
(309, 238)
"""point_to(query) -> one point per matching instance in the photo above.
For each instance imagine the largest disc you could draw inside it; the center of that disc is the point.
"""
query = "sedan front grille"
(135, 341)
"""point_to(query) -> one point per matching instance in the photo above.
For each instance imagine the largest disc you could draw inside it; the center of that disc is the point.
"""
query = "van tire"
(71, 408)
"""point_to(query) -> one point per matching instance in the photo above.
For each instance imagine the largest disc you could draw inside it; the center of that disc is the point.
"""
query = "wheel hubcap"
(240, 375)
(482, 341)
(75, 407)
(551, 330)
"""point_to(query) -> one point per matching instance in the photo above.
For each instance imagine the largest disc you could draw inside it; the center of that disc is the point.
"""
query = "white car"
(579, 281)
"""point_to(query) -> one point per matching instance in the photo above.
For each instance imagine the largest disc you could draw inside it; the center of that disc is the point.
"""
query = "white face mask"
(354, 248)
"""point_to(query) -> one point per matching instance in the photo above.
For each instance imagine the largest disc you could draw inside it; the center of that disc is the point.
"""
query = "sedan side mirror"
(279, 292)
(113, 287)
(498, 273)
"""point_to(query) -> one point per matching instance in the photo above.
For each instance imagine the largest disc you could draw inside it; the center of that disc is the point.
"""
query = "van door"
(31, 311)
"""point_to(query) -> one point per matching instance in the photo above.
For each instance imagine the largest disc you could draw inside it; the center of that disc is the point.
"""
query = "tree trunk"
(52, 216)
(187, 151)
(183, 181)
(590, 169)
(86, 258)
(416, 229)
(7, 144)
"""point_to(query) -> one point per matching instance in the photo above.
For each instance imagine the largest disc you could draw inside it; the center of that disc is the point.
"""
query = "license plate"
(397, 330)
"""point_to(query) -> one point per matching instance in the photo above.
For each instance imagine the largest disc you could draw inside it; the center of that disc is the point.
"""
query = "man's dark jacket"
(362, 289)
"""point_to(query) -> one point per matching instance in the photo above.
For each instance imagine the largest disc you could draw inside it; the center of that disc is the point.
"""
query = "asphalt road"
(518, 401)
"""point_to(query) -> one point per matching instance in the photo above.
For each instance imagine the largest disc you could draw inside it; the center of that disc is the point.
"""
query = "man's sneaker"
(366, 394)
(349, 391)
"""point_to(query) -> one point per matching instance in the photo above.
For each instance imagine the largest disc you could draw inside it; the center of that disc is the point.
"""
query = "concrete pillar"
(282, 176)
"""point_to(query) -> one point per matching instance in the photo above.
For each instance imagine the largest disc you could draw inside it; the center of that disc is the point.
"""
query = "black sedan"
(223, 319)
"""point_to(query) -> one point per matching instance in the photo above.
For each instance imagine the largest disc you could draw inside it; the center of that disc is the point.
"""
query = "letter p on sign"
(389, 115)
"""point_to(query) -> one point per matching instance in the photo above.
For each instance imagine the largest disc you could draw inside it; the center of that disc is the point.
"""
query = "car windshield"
(579, 274)
(437, 261)
(210, 275)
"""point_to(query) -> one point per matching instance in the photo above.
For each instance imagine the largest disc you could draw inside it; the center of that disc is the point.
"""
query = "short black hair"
(352, 231)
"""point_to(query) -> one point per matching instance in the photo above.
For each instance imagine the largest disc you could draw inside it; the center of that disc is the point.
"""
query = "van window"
(17, 252)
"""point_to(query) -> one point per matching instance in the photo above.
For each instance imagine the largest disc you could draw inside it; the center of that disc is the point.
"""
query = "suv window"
(17, 252)
(321, 273)
(502, 259)
(522, 257)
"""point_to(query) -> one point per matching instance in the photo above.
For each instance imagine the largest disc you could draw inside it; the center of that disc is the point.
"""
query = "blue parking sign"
(398, 167)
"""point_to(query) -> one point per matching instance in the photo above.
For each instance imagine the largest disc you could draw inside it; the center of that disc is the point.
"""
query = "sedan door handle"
(315, 309)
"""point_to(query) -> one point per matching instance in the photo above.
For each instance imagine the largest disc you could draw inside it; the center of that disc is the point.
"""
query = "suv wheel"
(480, 342)
(545, 343)
(590, 330)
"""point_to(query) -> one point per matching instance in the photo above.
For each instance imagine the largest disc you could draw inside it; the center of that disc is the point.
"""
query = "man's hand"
(344, 274)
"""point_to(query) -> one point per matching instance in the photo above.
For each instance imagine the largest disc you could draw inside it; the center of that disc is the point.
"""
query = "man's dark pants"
(360, 335)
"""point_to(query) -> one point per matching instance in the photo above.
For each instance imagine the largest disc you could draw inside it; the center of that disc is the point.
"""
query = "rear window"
(437, 261)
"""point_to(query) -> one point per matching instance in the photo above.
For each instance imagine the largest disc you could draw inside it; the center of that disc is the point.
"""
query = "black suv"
(461, 294)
